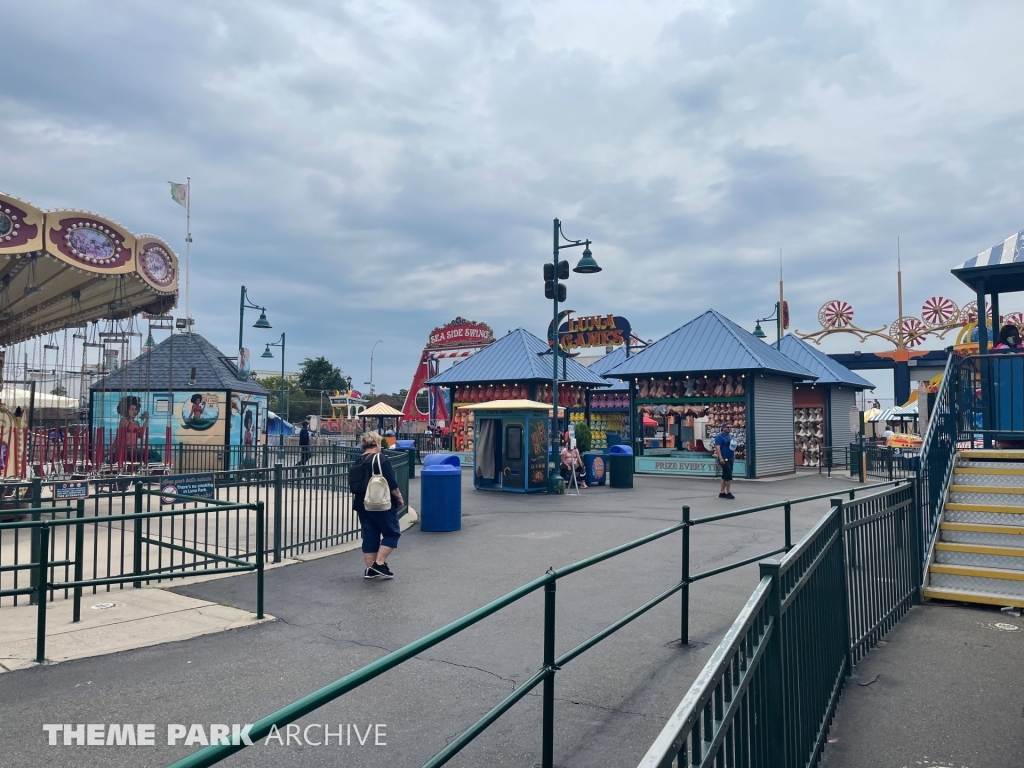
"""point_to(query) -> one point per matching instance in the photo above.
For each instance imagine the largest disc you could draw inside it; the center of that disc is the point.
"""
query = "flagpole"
(188, 249)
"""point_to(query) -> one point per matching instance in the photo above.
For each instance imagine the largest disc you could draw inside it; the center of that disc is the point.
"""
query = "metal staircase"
(978, 554)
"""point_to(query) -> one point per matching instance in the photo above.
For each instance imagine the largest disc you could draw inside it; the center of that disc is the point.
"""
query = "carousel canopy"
(66, 267)
(827, 370)
(214, 371)
(1000, 267)
(13, 397)
(381, 409)
(709, 343)
(518, 356)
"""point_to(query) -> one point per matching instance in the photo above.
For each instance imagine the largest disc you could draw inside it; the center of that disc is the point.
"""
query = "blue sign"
(200, 486)
(78, 490)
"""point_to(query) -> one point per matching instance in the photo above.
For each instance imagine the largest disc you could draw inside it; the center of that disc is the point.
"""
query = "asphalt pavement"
(611, 701)
(944, 690)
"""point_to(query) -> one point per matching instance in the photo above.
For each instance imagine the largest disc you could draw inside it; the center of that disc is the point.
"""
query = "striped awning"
(904, 413)
(443, 355)
(1007, 252)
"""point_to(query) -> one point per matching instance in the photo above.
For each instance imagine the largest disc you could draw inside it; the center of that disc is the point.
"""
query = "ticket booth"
(511, 446)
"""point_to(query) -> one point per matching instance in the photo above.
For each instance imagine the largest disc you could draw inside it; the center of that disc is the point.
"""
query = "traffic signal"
(549, 290)
(549, 280)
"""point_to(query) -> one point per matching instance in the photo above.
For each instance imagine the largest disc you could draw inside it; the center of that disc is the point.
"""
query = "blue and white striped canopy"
(1007, 252)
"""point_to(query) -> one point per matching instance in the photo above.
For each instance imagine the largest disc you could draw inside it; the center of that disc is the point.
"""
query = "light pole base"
(556, 485)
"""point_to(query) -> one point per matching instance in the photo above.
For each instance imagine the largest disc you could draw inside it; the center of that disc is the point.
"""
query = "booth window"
(514, 442)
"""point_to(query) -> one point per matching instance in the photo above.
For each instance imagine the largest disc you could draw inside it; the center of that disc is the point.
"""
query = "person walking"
(304, 448)
(725, 450)
(380, 529)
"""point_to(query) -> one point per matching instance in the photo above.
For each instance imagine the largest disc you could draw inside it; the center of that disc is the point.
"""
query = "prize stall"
(515, 367)
(609, 408)
(689, 383)
(510, 450)
(821, 415)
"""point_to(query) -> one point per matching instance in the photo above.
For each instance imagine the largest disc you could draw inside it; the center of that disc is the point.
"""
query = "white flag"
(179, 193)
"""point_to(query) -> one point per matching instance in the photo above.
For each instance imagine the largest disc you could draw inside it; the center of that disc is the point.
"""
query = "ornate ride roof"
(63, 268)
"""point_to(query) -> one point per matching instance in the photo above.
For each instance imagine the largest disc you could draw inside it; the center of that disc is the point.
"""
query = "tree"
(59, 390)
(297, 405)
(320, 374)
(401, 394)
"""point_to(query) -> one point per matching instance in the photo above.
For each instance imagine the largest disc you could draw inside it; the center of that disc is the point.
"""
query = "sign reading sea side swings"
(185, 485)
(593, 331)
(461, 332)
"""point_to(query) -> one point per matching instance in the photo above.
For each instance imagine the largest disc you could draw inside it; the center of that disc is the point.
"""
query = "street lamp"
(378, 341)
(553, 272)
(268, 353)
(781, 318)
(245, 303)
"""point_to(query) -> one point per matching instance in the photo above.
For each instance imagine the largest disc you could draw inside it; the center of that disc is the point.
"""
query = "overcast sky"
(372, 169)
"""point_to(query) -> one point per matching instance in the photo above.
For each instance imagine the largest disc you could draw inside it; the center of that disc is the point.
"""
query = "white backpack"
(378, 494)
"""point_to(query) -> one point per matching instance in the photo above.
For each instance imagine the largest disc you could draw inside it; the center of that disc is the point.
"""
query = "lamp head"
(587, 265)
(262, 322)
(758, 333)
(267, 352)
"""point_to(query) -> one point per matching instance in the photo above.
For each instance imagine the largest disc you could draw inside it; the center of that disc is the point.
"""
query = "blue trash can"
(409, 446)
(441, 493)
(620, 465)
(597, 469)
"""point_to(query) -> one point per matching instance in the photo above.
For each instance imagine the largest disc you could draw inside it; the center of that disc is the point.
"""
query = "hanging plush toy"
(642, 390)
(739, 387)
(729, 388)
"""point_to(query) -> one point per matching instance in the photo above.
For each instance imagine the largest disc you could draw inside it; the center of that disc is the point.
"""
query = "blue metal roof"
(515, 357)
(709, 342)
(609, 361)
(816, 361)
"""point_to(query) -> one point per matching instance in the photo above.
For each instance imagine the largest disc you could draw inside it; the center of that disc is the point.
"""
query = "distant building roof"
(153, 370)
(515, 357)
(604, 364)
(709, 342)
(389, 400)
(817, 362)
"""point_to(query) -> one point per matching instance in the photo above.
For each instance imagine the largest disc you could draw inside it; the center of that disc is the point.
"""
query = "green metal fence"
(164, 544)
(308, 508)
(768, 694)
(545, 676)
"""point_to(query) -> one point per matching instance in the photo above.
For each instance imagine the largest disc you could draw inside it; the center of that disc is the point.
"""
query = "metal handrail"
(214, 753)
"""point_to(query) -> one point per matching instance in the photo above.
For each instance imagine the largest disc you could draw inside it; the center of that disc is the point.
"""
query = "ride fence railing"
(834, 458)
(193, 458)
(769, 692)
(883, 463)
(66, 549)
(308, 508)
(990, 398)
(553, 661)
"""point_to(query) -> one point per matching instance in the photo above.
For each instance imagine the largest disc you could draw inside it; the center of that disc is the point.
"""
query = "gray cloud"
(372, 170)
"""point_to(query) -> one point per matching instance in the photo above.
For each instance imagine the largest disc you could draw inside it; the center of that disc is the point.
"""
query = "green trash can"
(620, 466)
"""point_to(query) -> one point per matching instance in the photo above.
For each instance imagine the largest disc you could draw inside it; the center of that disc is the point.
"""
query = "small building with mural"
(186, 392)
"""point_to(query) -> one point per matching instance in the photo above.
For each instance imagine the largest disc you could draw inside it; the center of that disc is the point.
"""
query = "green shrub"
(583, 436)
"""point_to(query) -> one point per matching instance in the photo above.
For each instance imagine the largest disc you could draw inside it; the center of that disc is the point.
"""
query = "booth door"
(513, 471)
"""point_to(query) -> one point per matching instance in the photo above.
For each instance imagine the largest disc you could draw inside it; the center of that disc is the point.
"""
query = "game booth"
(707, 372)
(516, 367)
(821, 415)
(510, 451)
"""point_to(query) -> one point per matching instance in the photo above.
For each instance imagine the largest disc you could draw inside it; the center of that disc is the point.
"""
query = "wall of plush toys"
(568, 396)
(606, 400)
(690, 386)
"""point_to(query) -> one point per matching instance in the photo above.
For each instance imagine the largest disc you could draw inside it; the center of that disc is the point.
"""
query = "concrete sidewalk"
(945, 689)
(123, 619)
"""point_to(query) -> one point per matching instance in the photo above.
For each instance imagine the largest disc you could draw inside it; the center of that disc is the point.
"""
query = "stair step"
(985, 518)
(997, 581)
(1003, 509)
(993, 489)
(967, 596)
(982, 496)
(983, 528)
(963, 465)
(1008, 471)
(977, 572)
(973, 479)
(980, 555)
(993, 454)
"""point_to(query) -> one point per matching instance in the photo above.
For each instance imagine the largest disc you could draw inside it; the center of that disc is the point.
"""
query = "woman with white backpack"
(377, 498)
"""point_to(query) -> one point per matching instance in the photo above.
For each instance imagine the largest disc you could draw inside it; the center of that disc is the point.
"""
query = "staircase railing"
(938, 455)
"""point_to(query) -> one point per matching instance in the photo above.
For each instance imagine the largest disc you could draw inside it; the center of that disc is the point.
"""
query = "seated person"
(573, 462)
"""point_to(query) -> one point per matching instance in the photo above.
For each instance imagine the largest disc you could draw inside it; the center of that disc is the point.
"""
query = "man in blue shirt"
(725, 450)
